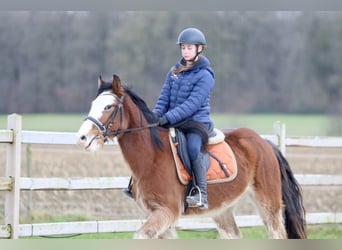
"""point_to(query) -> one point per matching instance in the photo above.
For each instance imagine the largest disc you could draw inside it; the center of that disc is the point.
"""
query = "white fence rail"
(12, 184)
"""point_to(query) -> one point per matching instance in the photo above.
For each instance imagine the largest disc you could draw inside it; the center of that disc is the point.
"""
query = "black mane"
(141, 104)
(185, 126)
(148, 114)
(104, 87)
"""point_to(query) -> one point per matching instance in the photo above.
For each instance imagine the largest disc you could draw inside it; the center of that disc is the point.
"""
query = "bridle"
(117, 110)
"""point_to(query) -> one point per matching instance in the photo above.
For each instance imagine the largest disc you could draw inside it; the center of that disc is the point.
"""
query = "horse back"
(254, 153)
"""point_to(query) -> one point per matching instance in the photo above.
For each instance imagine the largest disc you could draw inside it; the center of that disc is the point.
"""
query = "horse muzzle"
(92, 144)
(89, 138)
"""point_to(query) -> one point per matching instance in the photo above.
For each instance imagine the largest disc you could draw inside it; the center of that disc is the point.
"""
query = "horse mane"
(148, 114)
(104, 87)
(187, 126)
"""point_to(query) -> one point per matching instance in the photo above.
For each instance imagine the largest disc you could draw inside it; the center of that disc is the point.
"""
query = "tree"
(263, 61)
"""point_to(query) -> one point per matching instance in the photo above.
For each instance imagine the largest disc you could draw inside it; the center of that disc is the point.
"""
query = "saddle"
(223, 167)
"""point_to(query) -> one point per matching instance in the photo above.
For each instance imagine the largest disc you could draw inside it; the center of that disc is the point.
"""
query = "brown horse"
(263, 172)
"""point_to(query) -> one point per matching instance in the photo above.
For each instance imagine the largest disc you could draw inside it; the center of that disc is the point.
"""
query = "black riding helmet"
(192, 36)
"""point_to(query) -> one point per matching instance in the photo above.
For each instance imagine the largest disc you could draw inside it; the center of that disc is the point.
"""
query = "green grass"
(48, 122)
(300, 125)
(326, 231)
(303, 125)
(322, 231)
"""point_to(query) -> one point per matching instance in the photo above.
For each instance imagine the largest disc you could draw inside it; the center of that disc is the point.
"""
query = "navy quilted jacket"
(187, 95)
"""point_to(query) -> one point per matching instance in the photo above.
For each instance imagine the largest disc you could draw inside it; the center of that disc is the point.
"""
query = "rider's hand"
(162, 120)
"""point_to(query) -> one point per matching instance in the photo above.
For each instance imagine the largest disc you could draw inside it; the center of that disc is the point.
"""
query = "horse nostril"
(83, 138)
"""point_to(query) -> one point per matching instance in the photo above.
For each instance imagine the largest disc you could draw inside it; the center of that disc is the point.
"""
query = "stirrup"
(193, 202)
(128, 192)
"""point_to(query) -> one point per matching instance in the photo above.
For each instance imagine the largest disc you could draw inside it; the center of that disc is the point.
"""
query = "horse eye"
(108, 107)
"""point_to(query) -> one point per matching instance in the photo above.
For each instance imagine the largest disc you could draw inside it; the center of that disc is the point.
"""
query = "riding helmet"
(191, 36)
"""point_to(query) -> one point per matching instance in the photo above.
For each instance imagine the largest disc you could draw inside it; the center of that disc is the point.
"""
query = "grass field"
(303, 125)
(322, 231)
(48, 122)
(314, 232)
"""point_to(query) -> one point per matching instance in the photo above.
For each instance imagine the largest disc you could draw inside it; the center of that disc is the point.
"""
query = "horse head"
(105, 118)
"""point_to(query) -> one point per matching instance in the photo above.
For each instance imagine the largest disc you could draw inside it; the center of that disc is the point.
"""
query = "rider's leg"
(199, 164)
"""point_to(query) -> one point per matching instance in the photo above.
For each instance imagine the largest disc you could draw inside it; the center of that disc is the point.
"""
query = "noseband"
(104, 130)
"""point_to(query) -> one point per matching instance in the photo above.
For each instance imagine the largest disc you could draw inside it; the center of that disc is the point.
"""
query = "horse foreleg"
(226, 225)
(158, 225)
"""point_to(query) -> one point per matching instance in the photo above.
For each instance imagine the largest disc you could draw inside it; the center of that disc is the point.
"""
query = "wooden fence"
(13, 183)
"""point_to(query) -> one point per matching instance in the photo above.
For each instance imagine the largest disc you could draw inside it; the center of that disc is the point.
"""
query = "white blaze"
(86, 133)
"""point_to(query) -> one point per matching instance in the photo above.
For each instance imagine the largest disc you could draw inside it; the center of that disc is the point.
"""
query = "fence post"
(12, 201)
(279, 130)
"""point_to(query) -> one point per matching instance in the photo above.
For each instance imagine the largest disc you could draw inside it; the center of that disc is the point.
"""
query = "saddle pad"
(215, 174)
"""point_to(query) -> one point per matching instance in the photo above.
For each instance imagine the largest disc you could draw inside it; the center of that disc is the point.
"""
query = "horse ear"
(100, 81)
(117, 86)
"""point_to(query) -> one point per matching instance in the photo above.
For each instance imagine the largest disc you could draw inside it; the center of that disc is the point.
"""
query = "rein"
(104, 130)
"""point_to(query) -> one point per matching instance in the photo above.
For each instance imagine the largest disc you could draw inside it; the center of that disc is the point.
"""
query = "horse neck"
(136, 146)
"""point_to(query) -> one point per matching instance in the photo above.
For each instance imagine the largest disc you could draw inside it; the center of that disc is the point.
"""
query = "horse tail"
(294, 211)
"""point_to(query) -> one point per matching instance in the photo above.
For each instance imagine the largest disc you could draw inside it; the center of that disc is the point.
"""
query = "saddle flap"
(223, 167)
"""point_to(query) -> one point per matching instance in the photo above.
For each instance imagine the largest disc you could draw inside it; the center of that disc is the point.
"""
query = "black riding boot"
(128, 191)
(198, 198)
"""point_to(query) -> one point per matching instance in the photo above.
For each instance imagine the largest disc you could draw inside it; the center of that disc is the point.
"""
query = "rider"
(185, 95)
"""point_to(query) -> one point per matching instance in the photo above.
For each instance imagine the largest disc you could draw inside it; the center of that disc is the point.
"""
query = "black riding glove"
(162, 120)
